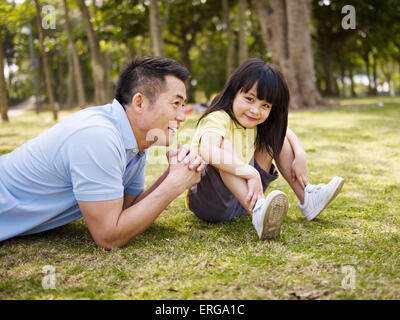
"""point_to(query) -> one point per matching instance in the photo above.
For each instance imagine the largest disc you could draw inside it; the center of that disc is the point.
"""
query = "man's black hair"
(147, 75)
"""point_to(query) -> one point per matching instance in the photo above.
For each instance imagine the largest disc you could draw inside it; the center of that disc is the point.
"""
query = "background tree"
(243, 47)
(156, 29)
(47, 76)
(74, 66)
(3, 86)
(96, 56)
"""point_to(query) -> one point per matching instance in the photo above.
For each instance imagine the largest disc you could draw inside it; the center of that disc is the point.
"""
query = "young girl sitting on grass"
(239, 135)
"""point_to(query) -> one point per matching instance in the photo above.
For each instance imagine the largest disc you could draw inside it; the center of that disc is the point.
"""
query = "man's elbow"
(109, 242)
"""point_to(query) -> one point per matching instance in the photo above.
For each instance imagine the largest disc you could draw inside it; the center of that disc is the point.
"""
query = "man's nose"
(181, 116)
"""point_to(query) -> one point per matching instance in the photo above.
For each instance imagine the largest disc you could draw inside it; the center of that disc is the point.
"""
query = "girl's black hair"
(271, 87)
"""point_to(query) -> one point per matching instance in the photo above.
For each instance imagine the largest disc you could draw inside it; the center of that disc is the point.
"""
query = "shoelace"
(315, 187)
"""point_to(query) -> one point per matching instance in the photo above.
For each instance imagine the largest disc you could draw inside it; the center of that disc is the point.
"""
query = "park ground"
(351, 251)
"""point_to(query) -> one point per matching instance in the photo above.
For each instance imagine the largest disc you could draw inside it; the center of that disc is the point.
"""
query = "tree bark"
(156, 34)
(374, 77)
(273, 22)
(243, 49)
(299, 39)
(46, 70)
(185, 56)
(3, 86)
(96, 56)
(328, 73)
(229, 34)
(285, 27)
(352, 87)
(75, 66)
(70, 83)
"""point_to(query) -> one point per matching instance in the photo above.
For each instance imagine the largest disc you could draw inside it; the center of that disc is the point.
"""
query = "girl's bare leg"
(284, 164)
(235, 184)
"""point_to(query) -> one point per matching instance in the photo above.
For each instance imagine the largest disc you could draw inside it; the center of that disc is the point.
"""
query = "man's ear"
(137, 102)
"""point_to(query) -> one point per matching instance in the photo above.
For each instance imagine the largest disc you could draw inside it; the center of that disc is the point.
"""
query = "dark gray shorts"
(211, 200)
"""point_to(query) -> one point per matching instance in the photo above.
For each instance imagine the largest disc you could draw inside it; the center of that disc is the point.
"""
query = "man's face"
(166, 113)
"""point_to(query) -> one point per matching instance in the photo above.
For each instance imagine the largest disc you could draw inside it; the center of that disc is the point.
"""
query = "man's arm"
(129, 200)
(184, 152)
(111, 226)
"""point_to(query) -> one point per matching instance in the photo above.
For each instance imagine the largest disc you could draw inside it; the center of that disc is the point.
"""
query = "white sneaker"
(268, 214)
(317, 197)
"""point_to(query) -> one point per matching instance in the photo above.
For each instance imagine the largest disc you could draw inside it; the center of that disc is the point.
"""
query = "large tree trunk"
(243, 50)
(299, 37)
(96, 56)
(74, 65)
(285, 27)
(273, 24)
(46, 70)
(3, 86)
(156, 34)
(229, 34)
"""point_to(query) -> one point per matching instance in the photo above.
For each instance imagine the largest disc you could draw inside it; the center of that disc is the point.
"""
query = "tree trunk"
(70, 84)
(328, 66)
(96, 56)
(109, 86)
(229, 34)
(46, 70)
(185, 56)
(366, 61)
(75, 67)
(273, 22)
(299, 39)
(342, 76)
(374, 77)
(353, 92)
(3, 86)
(243, 50)
(156, 34)
(59, 89)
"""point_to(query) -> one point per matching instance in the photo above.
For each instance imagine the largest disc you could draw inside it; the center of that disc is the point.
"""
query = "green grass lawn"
(180, 257)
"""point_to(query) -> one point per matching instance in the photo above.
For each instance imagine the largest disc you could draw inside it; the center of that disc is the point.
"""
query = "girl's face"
(249, 110)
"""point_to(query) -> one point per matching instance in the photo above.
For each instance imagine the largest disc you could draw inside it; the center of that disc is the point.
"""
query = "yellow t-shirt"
(221, 123)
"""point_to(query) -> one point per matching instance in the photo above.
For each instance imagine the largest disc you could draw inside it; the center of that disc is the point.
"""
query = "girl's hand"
(255, 190)
(300, 170)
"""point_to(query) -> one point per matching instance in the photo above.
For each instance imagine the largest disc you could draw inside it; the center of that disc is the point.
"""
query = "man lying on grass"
(92, 164)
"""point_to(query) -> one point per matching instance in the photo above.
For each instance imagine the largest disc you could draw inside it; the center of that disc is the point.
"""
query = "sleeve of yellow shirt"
(217, 122)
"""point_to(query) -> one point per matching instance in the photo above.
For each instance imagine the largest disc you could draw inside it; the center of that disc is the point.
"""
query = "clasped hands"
(185, 165)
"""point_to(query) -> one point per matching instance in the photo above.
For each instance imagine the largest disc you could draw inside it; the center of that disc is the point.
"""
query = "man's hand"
(188, 156)
(299, 170)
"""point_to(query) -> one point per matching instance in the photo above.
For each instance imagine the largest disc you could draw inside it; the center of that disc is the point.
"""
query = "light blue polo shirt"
(90, 156)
